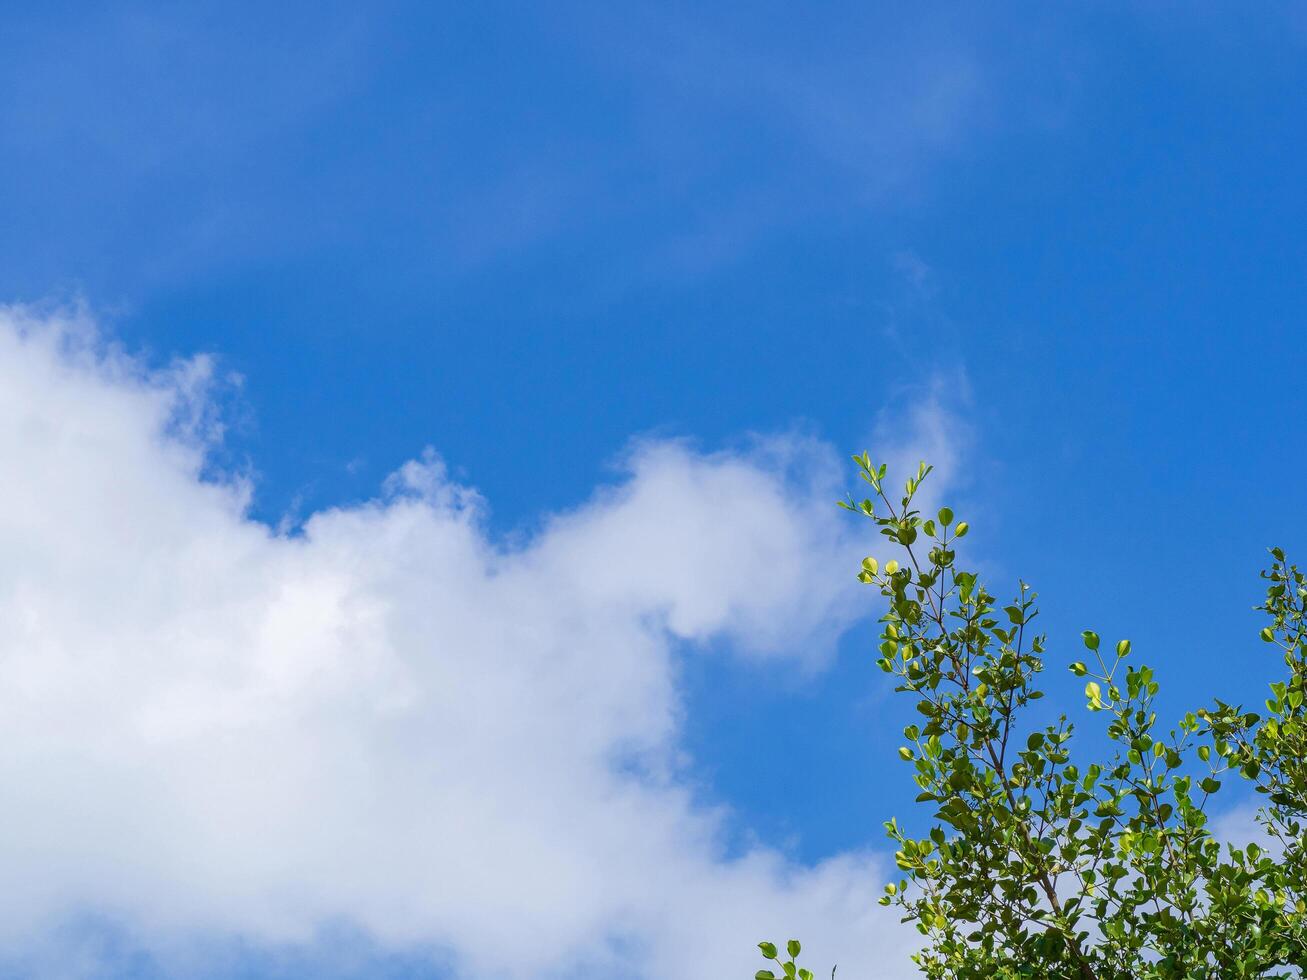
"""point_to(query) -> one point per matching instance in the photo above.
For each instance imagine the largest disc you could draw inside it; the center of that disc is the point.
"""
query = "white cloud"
(391, 720)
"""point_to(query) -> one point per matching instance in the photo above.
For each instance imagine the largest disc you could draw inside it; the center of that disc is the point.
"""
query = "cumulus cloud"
(390, 719)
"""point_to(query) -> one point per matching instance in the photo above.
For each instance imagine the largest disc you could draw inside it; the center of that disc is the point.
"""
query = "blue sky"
(526, 237)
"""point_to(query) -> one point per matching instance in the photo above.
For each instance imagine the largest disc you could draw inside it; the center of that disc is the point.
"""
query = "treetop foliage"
(1042, 865)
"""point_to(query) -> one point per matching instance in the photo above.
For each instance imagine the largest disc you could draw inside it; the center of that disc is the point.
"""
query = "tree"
(1043, 867)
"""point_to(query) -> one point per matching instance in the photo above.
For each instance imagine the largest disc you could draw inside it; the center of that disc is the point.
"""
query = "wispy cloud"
(213, 143)
(757, 125)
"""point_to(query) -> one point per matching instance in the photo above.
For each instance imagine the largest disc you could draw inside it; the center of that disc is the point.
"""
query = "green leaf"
(1090, 638)
(1094, 693)
(768, 950)
(793, 948)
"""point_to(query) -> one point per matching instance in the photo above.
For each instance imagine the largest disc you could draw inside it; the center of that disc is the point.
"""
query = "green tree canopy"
(1044, 865)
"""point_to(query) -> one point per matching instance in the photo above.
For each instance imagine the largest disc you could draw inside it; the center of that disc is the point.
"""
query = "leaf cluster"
(1044, 866)
(789, 969)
